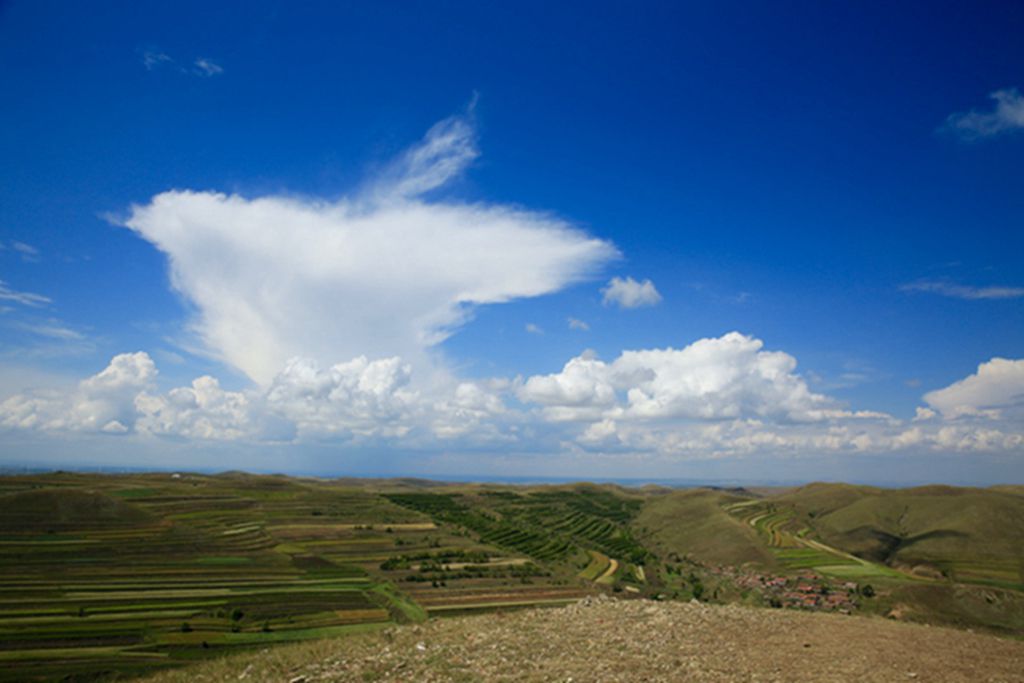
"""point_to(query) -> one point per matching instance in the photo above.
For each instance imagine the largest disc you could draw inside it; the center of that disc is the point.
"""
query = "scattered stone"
(604, 639)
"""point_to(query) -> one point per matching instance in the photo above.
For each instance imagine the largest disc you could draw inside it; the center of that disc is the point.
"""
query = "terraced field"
(546, 525)
(126, 574)
(791, 544)
(927, 534)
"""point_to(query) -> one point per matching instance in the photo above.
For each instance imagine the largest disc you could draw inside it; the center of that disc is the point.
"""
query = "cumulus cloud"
(201, 411)
(969, 292)
(388, 271)
(577, 324)
(533, 328)
(360, 397)
(628, 293)
(712, 379)
(357, 401)
(104, 402)
(714, 398)
(1006, 115)
(922, 413)
(997, 387)
(583, 390)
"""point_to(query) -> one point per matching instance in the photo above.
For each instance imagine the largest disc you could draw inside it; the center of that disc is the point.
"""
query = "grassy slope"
(693, 523)
(941, 526)
(965, 546)
(54, 510)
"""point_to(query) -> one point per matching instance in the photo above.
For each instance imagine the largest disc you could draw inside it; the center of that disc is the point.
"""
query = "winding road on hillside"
(613, 566)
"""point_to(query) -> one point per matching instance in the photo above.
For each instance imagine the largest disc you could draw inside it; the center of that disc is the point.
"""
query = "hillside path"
(613, 566)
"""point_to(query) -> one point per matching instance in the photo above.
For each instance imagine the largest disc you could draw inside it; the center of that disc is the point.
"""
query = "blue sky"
(259, 194)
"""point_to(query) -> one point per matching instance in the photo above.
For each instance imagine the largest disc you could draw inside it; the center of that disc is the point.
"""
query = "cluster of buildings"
(804, 591)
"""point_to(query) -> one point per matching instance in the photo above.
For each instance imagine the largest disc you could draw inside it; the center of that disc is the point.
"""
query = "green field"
(105, 575)
(123, 574)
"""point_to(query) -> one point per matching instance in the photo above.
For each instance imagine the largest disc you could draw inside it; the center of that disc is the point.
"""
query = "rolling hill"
(114, 575)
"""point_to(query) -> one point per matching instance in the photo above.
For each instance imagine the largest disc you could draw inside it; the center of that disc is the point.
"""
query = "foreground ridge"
(603, 639)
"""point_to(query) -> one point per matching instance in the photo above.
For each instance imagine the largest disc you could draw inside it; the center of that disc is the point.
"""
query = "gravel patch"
(601, 639)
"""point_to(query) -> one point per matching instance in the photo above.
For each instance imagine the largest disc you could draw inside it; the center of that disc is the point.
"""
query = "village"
(807, 590)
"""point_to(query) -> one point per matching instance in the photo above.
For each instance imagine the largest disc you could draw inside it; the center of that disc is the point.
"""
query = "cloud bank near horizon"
(716, 397)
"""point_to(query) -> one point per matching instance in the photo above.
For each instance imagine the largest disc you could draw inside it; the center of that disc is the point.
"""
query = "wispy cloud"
(577, 324)
(200, 66)
(26, 251)
(23, 298)
(534, 329)
(52, 329)
(207, 67)
(968, 292)
(153, 59)
(1006, 115)
(628, 293)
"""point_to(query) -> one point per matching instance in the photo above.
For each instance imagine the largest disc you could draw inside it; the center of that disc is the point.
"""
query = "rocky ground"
(600, 639)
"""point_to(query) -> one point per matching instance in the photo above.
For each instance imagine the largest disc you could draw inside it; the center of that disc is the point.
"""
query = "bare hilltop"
(605, 639)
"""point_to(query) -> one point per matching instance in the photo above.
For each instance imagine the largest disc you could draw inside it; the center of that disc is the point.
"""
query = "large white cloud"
(712, 379)
(584, 389)
(997, 387)
(361, 397)
(104, 402)
(387, 273)
(201, 411)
